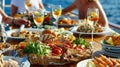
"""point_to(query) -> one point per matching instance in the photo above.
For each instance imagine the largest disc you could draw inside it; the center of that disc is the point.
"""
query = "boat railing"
(116, 26)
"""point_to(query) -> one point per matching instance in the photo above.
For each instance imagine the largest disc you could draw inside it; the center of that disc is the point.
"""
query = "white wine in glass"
(56, 12)
(93, 16)
(38, 17)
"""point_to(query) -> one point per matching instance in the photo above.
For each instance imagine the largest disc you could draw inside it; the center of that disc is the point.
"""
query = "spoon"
(21, 28)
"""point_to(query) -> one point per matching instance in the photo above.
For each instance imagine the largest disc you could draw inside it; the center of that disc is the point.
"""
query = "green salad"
(80, 41)
(37, 48)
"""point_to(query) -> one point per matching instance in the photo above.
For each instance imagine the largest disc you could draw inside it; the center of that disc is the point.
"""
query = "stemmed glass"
(56, 12)
(28, 5)
(38, 17)
(93, 17)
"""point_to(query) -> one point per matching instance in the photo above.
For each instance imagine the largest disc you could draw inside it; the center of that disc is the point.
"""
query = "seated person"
(12, 21)
(17, 6)
(83, 5)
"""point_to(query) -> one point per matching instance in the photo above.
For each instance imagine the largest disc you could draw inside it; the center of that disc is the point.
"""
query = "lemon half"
(90, 64)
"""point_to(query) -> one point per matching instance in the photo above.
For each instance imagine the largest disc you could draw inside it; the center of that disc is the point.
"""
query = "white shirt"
(21, 7)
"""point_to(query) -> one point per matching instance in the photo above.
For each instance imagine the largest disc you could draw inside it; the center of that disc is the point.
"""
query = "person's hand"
(22, 21)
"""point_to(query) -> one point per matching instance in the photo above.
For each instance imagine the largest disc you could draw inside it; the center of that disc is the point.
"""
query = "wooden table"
(97, 47)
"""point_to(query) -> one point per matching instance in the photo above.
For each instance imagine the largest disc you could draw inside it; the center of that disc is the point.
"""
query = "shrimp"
(101, 65)
(95, 62)
(98, 64)
(104, 58)
(114, 61)
(118, 60)
(118, 65)
(100, 61)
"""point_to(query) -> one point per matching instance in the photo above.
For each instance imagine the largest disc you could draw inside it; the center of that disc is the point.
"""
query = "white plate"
(16, 30)
(83, 63)
(26, 64)
(105, 31)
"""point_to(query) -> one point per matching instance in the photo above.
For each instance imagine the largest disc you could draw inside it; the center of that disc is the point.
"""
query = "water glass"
(56, 12)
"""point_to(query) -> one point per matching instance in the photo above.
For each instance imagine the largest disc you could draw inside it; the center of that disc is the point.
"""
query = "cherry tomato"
(57, 50)
(22, 46)
(47, 18)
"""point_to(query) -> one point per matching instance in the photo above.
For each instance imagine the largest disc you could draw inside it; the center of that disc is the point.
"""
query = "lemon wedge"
(110, 41)
(90, 64)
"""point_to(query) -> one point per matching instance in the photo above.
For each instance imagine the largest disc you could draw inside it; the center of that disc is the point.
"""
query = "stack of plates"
(109, 50)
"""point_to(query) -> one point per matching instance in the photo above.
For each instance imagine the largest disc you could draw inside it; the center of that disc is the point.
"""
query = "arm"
(69, 8)
(5, 17)
(93, 4)
(13, 10)
(41, 6)
(102, 16)
(12, 21)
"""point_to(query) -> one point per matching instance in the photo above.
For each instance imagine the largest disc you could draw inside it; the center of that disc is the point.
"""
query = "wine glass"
(56, 12)
(93, 17)
(93, 14)
(38, 17)
(28, 5)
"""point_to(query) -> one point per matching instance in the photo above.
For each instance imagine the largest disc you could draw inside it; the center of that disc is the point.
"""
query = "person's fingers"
(25, 22)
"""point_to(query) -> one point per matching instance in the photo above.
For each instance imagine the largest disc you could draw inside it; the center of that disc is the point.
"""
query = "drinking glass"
(93, 14)
(38, 17)
(93, 17)
(56, 12)
(28, 5)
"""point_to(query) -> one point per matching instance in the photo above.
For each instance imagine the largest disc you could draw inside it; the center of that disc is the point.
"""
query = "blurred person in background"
(83, 5)
(12, 21)
(18, 6)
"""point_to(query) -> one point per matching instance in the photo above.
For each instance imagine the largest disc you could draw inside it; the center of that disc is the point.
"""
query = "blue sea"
(111, 7)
